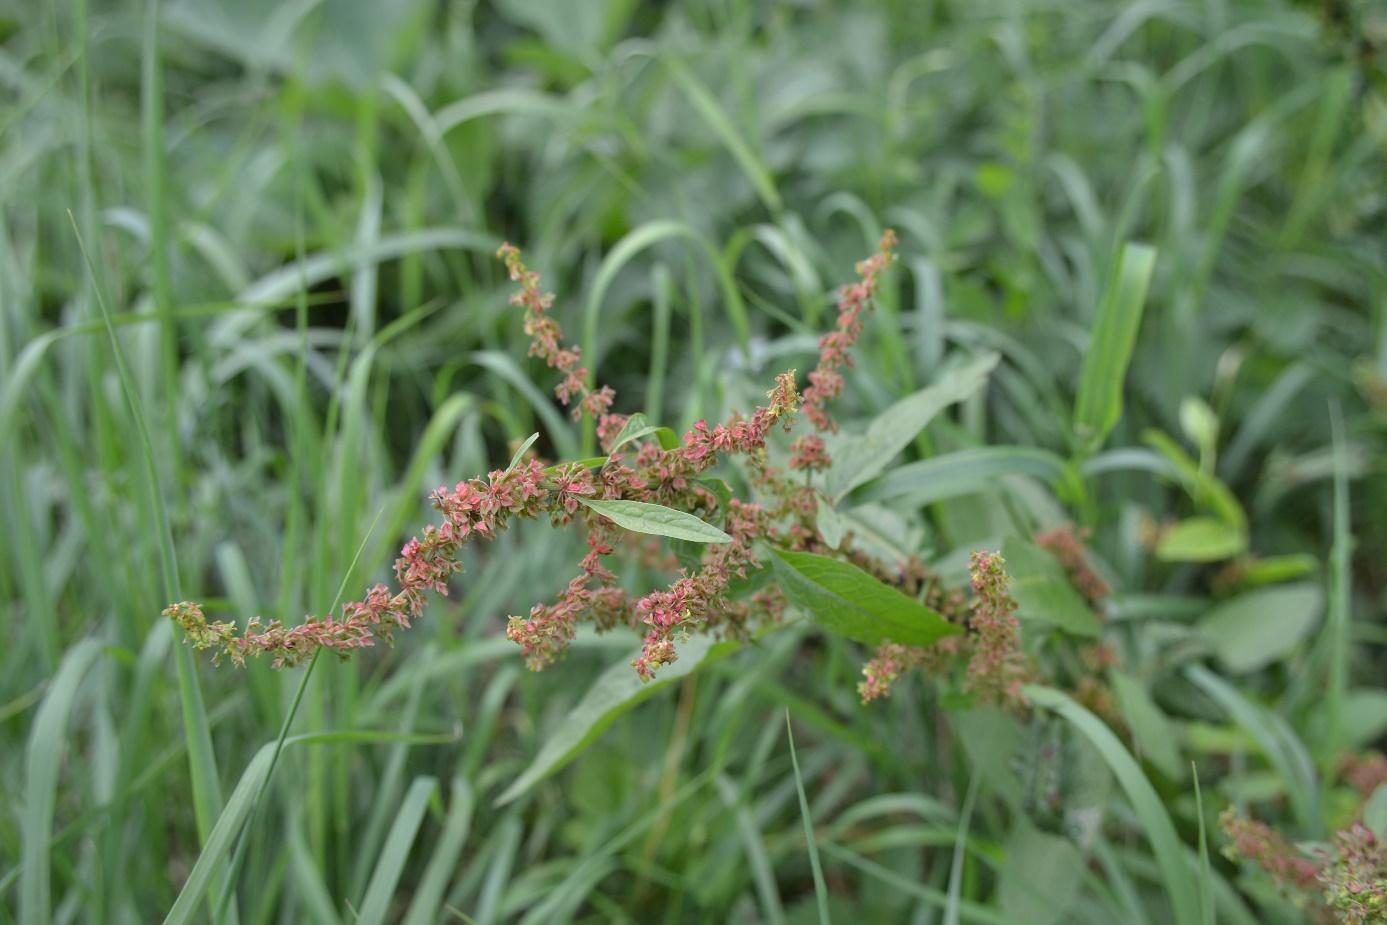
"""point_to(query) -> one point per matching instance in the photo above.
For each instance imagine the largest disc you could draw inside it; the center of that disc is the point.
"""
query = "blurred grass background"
(290, 211)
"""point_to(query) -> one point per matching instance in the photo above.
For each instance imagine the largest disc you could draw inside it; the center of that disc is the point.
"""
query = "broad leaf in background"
(1040, 876)
(830, 526)
(616, 690)
(655, 519)
(1375, 811)
(1099, 404)
(1042, 589)
(1257, 628)
(859, 459)
(1155, 734)
(994, 741)
(847, 601)
(962, 472)
(1176, 874)
(1365, 715)
(1201, 539)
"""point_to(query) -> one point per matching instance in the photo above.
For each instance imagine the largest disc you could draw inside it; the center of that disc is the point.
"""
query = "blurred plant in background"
(1135, 343)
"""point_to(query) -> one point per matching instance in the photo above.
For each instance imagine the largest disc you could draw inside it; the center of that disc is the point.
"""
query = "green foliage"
(847, 601)
(249, 318)
(653, 519)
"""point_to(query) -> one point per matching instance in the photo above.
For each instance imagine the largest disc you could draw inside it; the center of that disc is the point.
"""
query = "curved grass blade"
(719, 122)
(41, 781)
(962, 472)
(1180, 887)
(1278, 744)
(427, 901)
(1099, 403)
(811, 843)
(615, 692)
(376, 904)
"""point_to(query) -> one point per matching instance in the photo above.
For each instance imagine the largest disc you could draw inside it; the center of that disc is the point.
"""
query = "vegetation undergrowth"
(1032, 576)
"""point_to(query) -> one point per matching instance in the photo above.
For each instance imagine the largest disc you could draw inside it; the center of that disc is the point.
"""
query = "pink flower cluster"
(675, 478)
(1066, 543)
(546, 340)
(1354, 878)
(1268, 849)
(691, 600)
(997, 667)
(826, 382)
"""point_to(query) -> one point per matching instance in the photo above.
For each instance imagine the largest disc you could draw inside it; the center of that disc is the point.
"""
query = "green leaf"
(655, 519)
(860, 459)
(1040, 875)
(1042, 589)
(616, 691)
(217, 850)
(1257, 628)
(1155, 734)
(993, 741)
(1175, 872)
(44, 754)
(830, 526)
(1274, 570)
(520, 451)
(712, 113)
(846, 600)
(1099, 404)
(638, 427)
(1203, 487)
(962, 472)
(1375, 811)
(391, 863)
(1201, 539)
(1365, 715)
(426, 901)
(1274, 736)
(1200, 424)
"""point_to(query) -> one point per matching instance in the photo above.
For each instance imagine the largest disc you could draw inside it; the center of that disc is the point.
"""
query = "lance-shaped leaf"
(1099, 404)
(846, 600)
(861, 459)
(640, 517)
(615, 692)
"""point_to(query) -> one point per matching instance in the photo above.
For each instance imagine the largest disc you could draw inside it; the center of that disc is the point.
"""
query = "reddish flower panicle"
(546, 336)
(1265, 847)
(997, 668)
(1066, 543)
(825, 381)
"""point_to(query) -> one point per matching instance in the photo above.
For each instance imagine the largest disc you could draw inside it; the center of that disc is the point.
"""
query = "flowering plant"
(664, 481)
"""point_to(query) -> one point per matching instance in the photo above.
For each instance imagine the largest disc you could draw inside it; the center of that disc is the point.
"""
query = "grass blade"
(1165, 843)
(811, 843)
(393, 855)
(1099, 403)
(428, 898)
(41, 781)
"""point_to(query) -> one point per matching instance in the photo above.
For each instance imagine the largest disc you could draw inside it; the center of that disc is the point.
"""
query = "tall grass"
(249, 317)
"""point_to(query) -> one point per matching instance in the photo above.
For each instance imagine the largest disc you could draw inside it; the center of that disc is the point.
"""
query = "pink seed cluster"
(647, 472)
(1268, 849)
(997, 667)
(826, 380)
(546, 340)
(1354, 878)
(1066, 543)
